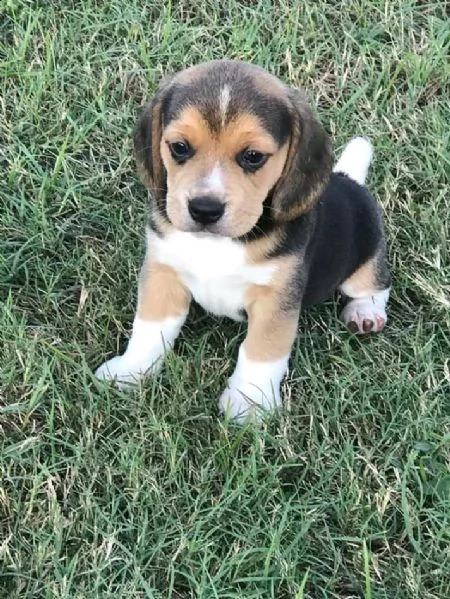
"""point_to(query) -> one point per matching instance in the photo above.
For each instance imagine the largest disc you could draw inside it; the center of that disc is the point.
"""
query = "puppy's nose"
(206, 210)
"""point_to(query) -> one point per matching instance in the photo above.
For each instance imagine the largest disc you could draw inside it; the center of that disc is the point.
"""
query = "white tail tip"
(355, 159)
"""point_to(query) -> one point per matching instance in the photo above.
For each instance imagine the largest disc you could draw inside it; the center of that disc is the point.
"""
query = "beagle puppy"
(249, 218)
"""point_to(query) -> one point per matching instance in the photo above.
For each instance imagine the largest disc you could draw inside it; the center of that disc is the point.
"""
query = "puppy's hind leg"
(367, 290)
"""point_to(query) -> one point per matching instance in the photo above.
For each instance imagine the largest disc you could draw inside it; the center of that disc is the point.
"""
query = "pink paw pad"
(364, 316)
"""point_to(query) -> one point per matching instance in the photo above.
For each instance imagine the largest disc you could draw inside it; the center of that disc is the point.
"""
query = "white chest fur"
(213, 268)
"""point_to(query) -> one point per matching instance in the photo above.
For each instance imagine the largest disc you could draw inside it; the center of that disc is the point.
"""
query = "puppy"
(249, 219)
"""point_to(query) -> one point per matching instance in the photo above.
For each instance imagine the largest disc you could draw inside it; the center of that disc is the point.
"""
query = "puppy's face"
(218, 179)
(224, 141)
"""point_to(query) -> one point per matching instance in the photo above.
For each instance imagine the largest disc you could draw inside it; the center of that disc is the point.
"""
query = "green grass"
(111, 495)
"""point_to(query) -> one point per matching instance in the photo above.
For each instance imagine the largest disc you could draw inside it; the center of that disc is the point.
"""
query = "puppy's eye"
(251, 160)
(181, 151)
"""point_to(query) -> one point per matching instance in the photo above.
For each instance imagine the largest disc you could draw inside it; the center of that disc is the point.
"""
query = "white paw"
(146, 348)
(126, 372)
(365, 315)
(253, 389)
(246, 401)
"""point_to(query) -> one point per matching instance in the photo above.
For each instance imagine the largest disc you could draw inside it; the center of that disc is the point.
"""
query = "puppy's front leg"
(254, 386)
(163, 304)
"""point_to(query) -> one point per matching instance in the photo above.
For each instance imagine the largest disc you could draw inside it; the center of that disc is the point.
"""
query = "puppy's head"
(223, 141)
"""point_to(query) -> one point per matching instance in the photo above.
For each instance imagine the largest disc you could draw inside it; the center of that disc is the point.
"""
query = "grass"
(111, 495)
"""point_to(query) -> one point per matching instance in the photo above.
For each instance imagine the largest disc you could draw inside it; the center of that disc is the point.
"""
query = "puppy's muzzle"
(206, 210)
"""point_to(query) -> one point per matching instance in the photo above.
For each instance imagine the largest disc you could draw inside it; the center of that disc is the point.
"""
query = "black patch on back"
(339, 234)
(347, 232)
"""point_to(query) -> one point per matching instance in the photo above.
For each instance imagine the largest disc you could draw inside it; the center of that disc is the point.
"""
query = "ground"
(105, 494)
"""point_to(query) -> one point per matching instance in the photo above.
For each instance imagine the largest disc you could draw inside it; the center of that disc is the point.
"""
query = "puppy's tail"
(355, 159)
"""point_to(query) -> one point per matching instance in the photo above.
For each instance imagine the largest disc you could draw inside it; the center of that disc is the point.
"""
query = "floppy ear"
(308, 165)
(147, 140)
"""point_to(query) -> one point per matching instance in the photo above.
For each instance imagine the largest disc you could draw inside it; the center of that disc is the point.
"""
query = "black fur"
(245, 97)
(331, 223)
(337, 236)
(286, 116)
(153, 225)
(146, 138)
(309, 164)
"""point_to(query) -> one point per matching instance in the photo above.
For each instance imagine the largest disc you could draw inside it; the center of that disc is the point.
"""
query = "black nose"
(206, 210)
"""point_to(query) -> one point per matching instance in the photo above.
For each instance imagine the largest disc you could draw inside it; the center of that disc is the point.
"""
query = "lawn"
(106, 494)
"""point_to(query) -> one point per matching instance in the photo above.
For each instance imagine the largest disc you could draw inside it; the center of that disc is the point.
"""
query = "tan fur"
(162, 224)
(244, 194)
(161, 292)
(296, 172)
(272, 327)
(258, 250)
(300, 208)
(362, 283)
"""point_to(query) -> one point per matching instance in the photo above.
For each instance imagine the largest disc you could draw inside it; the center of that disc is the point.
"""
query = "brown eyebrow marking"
(223, 90)
(245, 130)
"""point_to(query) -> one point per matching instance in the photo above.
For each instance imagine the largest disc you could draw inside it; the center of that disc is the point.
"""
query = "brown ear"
(308, 165)
(147, 140)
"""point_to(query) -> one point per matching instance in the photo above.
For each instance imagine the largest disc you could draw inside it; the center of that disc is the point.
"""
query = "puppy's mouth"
(199, 214)
(214, 225)
(215, 229)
